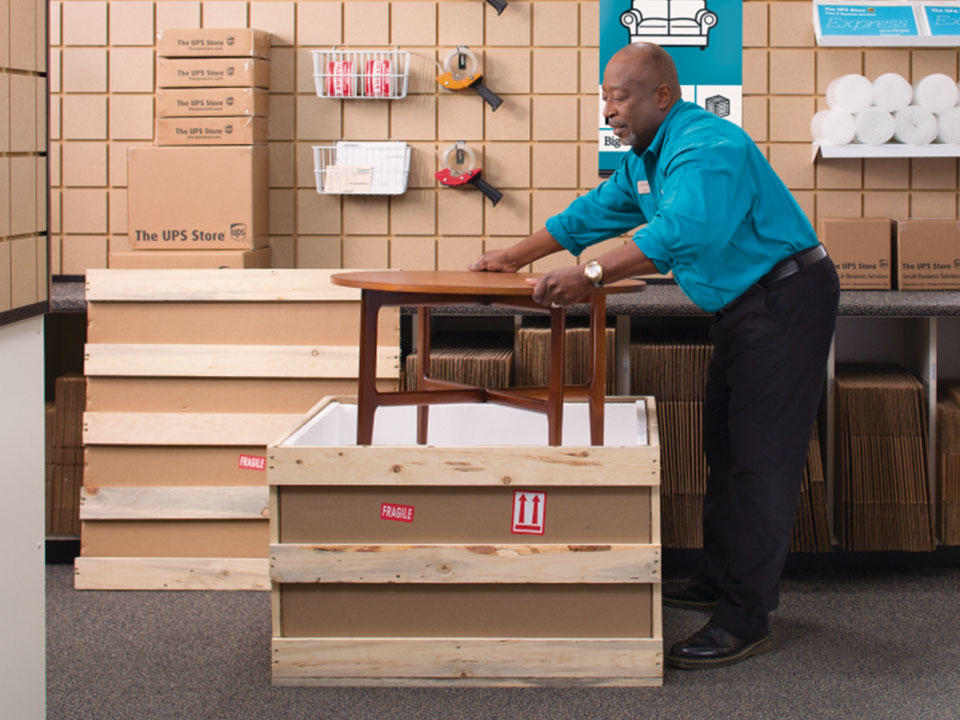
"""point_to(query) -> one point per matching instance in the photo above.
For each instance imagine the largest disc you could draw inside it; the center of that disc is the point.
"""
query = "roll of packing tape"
(936, 93)
(833, 127)
(892, 92)
(915, 126)
(851, 93)
(874, 126)
(948, 126)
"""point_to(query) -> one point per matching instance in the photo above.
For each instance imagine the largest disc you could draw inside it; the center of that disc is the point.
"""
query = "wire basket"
(361, 74)
(361, 168)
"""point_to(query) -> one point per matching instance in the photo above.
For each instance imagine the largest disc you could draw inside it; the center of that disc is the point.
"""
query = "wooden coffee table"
(425, 289)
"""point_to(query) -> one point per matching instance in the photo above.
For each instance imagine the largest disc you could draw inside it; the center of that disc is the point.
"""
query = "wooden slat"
(253, 361)
(465, 658)
(216, 285)
(446, 563)
(130, 428)
(468, 682)
(464, 466)
(159, 573)
(174, 503)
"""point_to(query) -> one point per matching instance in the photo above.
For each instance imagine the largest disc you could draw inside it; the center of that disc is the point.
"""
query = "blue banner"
(705, 40)
(867, 20)
(943, 19)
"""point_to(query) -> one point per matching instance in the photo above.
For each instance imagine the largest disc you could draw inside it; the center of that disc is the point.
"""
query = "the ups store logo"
(228, 129)
(231, 70)
(238, 231)
(230, 40)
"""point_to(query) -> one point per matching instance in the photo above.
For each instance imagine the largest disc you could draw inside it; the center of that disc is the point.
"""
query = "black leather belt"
(783, 269)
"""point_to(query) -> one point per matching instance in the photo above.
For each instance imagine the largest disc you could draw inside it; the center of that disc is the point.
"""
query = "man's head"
(639, 87)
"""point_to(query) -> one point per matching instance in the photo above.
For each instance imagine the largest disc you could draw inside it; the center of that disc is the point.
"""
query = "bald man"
(712, 211)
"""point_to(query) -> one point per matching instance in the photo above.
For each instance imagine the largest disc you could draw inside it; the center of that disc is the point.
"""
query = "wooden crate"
(397, 564)
(190, 375)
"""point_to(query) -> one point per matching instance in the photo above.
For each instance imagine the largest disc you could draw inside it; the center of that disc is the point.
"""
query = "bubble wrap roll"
(833, 127)
(874, 126)
(935, 93)
(852, 93)
(915, 126)
(948, 124)
(892, 92)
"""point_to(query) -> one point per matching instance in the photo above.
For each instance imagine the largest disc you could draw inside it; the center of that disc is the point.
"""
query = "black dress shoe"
(711, 647)
(689, 596)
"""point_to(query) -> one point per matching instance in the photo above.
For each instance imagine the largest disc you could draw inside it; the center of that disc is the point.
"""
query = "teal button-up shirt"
(712, 209)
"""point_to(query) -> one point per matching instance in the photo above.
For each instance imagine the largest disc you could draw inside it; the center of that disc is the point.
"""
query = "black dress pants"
(762, 394)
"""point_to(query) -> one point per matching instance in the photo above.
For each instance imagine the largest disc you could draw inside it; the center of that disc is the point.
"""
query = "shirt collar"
(653, 150)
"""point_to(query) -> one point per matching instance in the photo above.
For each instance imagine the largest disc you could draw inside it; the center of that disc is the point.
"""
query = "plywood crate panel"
(192, 373)
(448, 593)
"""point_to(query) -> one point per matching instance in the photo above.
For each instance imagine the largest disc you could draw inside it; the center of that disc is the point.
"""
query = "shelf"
(900, 24)
(887, 150)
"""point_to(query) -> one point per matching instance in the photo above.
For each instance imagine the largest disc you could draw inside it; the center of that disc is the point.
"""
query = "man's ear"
(664, 95)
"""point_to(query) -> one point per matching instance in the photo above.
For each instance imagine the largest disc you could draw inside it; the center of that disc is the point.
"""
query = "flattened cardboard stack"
(948, 464)
(191, 374)
(63, 498)
(533, 358)
(488, 367)
(882, 483)
(675, 373)
(811, 532)
(200, 197)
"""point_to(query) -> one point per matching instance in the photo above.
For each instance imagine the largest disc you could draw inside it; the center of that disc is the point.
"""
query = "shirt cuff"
(654, 252)
(555, 227)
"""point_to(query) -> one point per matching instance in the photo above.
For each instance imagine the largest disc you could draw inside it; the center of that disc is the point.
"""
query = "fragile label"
(340, 78)
(529, 512)
(252, 462)
(400, 513)
(376, 81)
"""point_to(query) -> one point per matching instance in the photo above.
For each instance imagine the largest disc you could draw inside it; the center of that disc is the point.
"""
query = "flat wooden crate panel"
(454, 597)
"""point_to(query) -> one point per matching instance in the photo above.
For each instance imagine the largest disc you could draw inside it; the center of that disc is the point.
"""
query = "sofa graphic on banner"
(669, 22)
(705, 40)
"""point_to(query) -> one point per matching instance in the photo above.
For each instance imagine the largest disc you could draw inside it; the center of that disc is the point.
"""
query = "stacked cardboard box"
(201, 194)
(882, 482)
(533, 357)
(675, 373)
(861, 249)
(928, 254)
(948, 479)
(66, 458)
(488, 367)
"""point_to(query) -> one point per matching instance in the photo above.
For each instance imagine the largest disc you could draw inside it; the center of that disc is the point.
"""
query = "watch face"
(594, 272)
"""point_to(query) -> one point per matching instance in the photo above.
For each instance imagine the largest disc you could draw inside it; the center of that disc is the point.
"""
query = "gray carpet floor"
(847, 644)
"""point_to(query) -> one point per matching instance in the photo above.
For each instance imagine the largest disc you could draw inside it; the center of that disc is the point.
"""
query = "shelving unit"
(887, 150)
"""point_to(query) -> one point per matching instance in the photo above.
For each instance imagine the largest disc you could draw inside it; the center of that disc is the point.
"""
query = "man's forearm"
(538, 245)
(624, 262)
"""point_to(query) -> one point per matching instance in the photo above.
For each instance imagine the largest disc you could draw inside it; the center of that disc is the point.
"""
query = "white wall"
(22, 597)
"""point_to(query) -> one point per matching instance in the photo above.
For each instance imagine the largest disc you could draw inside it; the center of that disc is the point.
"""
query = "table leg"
(558, 327)
(598, 362)
(367, 400)
(423, 357)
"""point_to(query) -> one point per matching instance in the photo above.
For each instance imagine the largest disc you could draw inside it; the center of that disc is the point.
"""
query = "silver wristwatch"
(593, 271)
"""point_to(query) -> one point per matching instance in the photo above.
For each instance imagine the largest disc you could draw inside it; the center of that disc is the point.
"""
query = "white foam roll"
(948, 124)
(852, 93)
(892, 92)
(935, 93)
(833, 127)
(915, 126)
(874, 126)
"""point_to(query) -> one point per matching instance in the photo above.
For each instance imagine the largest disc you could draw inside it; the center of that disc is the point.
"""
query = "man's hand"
(494, 261)
(561, 287)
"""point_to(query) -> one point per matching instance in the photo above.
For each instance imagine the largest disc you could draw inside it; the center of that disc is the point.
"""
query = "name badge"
(643, 187)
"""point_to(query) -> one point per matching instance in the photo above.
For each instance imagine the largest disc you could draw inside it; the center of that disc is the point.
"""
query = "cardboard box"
(861, 249)
(144, 259)
(213, 42)
(212, 102)
(211, 131)
(198, 197)
(212, 72)
(928, 254)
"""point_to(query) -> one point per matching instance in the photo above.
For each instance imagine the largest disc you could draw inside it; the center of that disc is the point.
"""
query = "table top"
(455, 282)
